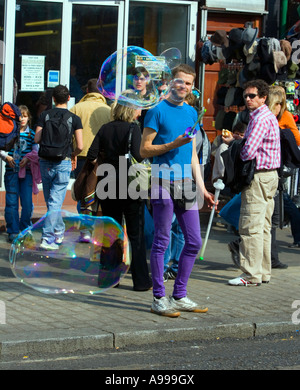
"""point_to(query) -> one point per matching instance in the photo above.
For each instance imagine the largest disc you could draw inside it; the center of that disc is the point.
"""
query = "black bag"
(238, 174)
(56, 139)
(183, 192)
(290, 154)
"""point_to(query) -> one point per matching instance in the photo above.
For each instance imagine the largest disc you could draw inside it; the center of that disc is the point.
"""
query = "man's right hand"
(182, 140)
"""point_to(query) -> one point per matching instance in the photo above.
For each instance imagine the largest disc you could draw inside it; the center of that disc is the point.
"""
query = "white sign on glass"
(32, 73)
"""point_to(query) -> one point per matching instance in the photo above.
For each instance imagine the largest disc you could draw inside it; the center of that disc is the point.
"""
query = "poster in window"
(32, 73)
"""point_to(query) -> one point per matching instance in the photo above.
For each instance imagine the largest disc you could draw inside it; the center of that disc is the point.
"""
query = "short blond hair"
(276, 96)
(121, 112)
(184, 68)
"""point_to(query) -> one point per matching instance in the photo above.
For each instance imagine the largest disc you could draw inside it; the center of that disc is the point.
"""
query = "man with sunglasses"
(263, 144)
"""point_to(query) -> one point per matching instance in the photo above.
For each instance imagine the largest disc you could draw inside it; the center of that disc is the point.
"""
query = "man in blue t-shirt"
(175, 164)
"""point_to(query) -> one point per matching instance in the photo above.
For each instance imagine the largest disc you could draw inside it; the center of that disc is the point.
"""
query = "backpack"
(9, 125)
(56, 137)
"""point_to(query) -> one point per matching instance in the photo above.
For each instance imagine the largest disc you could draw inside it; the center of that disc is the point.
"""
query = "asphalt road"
(280, 352)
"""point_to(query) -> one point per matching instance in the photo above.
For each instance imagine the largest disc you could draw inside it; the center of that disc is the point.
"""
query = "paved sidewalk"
(120, 316)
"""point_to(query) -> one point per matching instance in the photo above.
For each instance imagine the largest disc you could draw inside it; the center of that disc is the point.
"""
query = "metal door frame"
(66, 35)
(67, 9)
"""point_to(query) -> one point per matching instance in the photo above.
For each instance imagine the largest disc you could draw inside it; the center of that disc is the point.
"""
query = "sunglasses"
(250, 95)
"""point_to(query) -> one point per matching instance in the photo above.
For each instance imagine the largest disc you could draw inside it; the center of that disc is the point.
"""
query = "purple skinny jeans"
(190, 225)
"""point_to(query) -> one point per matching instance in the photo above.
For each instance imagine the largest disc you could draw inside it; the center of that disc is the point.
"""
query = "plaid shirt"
(262, 139)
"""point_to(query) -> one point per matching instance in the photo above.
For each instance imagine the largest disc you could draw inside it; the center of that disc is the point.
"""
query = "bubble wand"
(219, 185)
(191, 131)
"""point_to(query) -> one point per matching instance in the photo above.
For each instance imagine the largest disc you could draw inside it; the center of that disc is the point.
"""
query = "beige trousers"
(255, 226)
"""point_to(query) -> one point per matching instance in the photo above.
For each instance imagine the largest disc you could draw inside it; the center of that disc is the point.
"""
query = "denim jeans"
(175, 247)
(293, 213)
(17, 188)
(163, 209)
(55, 179)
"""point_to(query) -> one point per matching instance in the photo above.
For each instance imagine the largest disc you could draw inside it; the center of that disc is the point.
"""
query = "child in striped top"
(19, 188)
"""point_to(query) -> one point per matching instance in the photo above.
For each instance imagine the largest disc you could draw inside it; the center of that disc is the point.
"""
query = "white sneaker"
(84, 237)
(186, 304)
(162, 307)
(59, 240)
(242, 282)
(48, 247)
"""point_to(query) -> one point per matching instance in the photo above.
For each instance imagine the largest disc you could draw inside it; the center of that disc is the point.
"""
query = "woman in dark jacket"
(111, 142)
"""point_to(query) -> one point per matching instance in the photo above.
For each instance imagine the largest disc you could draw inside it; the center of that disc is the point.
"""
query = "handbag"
(231, 211)
(84, 187)
(139, 172)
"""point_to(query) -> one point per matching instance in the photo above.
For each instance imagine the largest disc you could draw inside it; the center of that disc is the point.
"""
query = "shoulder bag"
(140, 173)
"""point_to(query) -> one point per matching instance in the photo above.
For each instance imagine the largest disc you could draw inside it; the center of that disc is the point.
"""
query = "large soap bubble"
(76, 267)
(177, 90)
(135, 77)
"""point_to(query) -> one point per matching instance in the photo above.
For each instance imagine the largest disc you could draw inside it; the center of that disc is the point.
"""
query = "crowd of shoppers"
(97, 129)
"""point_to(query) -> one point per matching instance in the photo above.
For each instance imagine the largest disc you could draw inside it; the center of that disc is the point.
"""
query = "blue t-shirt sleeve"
(152, 119)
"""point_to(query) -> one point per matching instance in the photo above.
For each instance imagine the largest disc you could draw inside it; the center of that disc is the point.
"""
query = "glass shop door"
(62, 42)
(97, 32)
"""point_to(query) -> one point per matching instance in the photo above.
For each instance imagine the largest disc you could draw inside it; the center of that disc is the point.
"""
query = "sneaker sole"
(197, 310)
(48, 249)
(294, 246)
(164, 314)
(245, 285)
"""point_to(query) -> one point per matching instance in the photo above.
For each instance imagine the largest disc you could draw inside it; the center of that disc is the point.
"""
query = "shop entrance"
(94, 37)
(62, 43)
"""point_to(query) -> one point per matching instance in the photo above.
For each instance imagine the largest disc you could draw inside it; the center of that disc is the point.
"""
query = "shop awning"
(253, 6)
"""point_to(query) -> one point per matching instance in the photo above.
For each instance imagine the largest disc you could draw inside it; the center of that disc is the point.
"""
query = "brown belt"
(159, 180)
(265, 170)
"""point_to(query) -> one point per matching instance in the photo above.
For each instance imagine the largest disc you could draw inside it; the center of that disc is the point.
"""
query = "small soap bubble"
(172, 57)
(135, 77)
(79, 265)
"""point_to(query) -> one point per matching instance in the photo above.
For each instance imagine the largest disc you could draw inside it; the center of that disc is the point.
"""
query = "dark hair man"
(263, 144)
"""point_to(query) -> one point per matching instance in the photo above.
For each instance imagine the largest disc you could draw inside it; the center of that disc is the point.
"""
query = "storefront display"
(243, 57)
